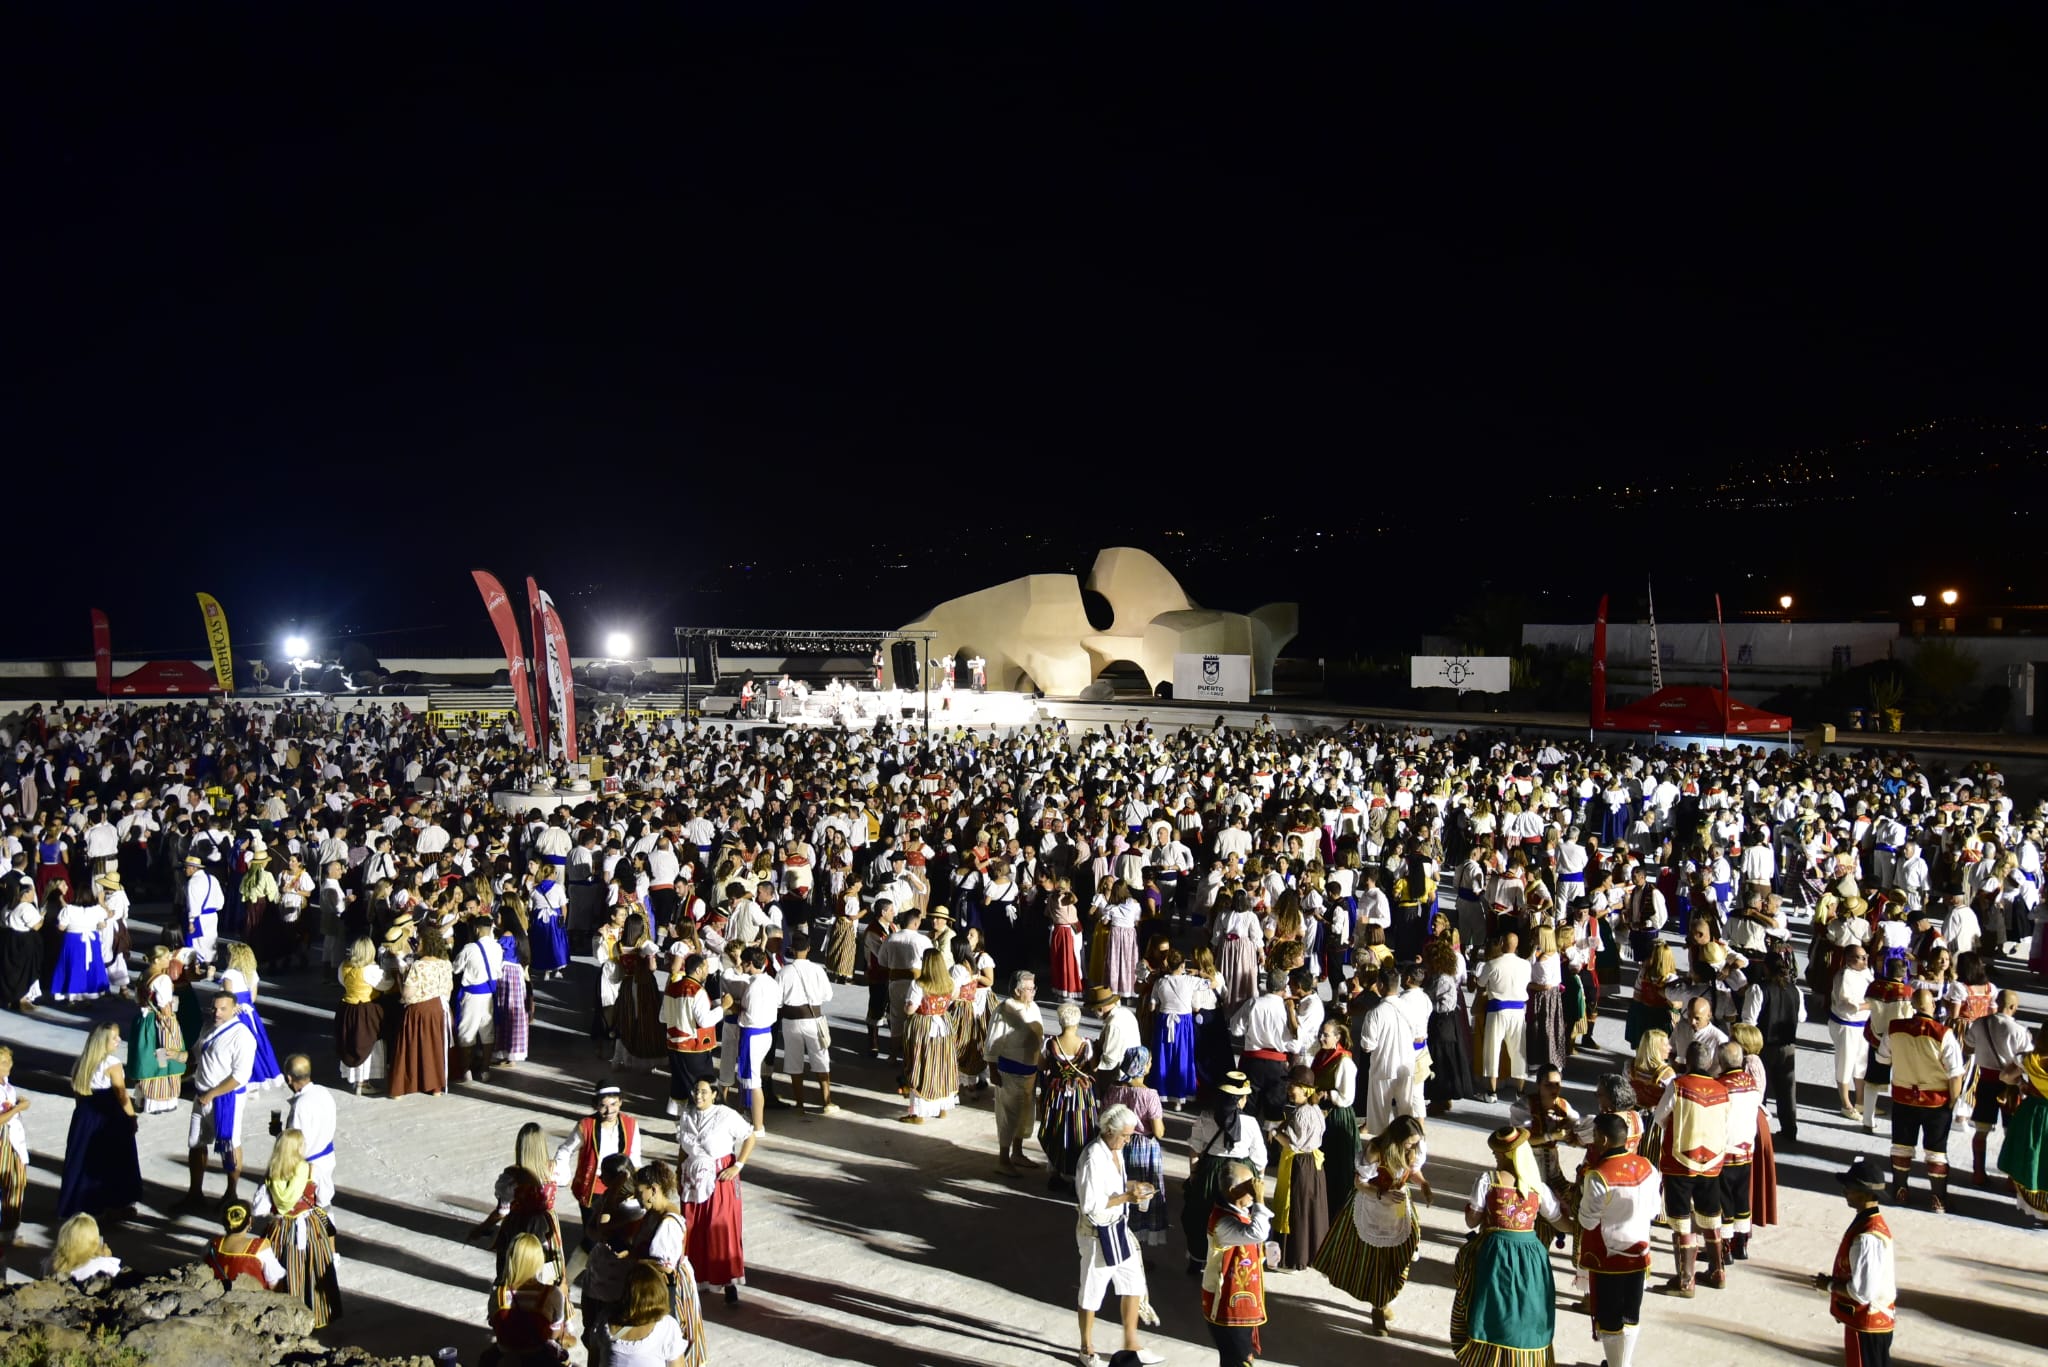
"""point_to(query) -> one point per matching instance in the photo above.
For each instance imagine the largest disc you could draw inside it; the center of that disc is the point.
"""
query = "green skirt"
(1643, 1018)
(1340, 1159)
(2024, 1155)
(1510, 1302)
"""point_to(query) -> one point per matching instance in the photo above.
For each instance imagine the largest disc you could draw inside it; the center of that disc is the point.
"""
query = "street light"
(1919, 600)
(1948, 597)
(295, 646)
(618, 646)
(1785, 601)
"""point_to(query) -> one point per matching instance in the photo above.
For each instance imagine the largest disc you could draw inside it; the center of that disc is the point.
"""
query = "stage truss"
(803, 641)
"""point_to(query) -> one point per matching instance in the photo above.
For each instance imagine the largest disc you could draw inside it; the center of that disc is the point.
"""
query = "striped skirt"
(1145, 1162)
(13, 1186)
(1363, 1271)
(512, 1004)
(308, 1256)
(1503, 1313)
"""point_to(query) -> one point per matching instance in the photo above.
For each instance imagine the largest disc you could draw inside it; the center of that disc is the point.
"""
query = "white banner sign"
(1212, 678)
(1466, 673)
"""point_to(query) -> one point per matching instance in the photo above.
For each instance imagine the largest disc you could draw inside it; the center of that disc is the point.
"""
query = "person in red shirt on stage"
(1863, 1286)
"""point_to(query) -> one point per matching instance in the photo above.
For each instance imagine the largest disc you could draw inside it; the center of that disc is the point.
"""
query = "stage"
(857, 709)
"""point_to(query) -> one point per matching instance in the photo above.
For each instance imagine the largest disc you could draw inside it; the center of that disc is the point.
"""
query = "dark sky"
(317, 311)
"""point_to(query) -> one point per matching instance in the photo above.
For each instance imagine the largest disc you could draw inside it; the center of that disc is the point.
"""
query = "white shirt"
(713, 1133)
(804, 983)
(1098, 1178)
(227, 1051)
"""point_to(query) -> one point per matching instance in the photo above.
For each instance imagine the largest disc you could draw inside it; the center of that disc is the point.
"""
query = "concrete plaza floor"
(871, 1241)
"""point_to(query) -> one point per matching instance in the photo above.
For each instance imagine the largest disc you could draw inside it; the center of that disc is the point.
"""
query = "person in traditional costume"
(1449, 1038)
(1504, 1312)
(608, 1244)
(550, 903)
(102, 1173)
(1016, 1042)
(241, 1258)
(222, 1062)
(579, 1160)
(1763, 1162)
(512, 996)
(1650, 1006)
(80, 973)
(1175, 996)
(1619, 1198)
(1111, 1260)
(1862, 1285)
(636, 1009)
(1065, 966)
(13, 1154)
(714, 1143)
(1374, 1240)
(1222, 1133)
(1301, 1202)
(156, 1048)
(419, 1056)
(529, 1315)
(806, 990)
(1691, 1121)
(974, 976)
(240, 978)
(300, 1229)
(359, 1019)
(2023, 1156)
(525, 1203)
(1066, 1098)
(1234, 1274)
(479, 964)
(21, 952)
(1144, 1161)
(690, 1016)
(1927, 1081)
(1336, 1074)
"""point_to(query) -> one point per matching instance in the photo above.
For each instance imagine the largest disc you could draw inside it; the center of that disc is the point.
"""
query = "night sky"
(316, 312)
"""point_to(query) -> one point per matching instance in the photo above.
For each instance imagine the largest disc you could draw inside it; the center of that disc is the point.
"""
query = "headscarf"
(1137, 1062)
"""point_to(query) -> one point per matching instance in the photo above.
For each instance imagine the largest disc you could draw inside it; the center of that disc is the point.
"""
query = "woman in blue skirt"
(1175, 997)
(101, 1170)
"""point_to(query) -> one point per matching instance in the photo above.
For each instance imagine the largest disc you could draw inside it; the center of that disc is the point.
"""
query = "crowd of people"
(1320, 944)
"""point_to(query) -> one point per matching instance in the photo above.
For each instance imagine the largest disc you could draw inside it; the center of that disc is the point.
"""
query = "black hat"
(1865, 1174)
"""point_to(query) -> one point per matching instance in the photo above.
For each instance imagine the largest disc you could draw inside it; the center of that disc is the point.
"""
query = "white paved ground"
(875, 1242)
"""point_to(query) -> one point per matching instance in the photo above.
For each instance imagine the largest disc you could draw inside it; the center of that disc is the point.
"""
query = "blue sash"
(327, 1152)
(1578, 877)
(558, 860)
(745, 1069)
(224, 1108)
(1114, 1241)
(1505, 1006)
(1014, 1068)
(478, 989)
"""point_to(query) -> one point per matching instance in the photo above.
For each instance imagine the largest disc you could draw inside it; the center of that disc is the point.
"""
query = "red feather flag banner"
(556, 669)
(500, 608)
(1599, 717)
(102, 653)
(540, 673)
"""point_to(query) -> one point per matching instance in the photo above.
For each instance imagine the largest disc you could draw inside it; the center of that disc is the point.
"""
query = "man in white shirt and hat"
(203, 901)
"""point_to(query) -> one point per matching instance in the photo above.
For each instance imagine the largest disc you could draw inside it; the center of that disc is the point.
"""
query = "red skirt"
(713, 1240)
(1763, 1177)
(1065, 971)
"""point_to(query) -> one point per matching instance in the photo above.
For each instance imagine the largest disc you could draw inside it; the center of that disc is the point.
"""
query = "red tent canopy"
(1692, 709)
(162, 678)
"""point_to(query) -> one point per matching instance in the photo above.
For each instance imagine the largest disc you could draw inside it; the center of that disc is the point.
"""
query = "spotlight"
(295, 646)
(618, 646)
